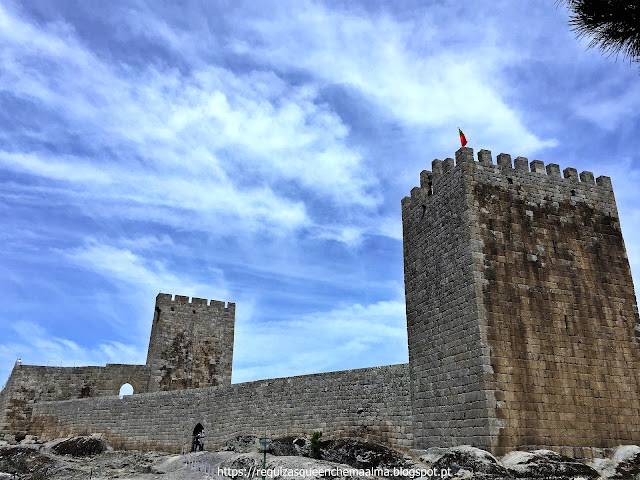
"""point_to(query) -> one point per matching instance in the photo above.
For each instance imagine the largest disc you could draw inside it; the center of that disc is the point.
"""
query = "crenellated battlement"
(532, 172)
(170, 299)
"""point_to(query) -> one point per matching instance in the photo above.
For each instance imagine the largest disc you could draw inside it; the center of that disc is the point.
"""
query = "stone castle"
(522, 329)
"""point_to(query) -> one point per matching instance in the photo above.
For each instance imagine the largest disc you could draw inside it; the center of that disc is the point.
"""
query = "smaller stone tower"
(191, 344)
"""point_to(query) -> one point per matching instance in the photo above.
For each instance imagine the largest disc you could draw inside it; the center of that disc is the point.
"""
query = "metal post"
(264, 464)
(264, 445)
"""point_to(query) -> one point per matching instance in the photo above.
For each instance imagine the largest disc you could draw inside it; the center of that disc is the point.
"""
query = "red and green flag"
(463, 140)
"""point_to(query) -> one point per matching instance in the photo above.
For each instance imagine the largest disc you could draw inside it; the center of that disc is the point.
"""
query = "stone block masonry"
(371, 403)
(446, 356)
(191, 344)
(30, 384)
(519, 277)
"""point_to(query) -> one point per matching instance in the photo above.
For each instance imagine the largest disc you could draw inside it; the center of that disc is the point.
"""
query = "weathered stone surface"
(449, 402)
(31, 463)
(191, 344)
(23, 460)
(625, 463)
(307, 468)
(628, 457)
(362, 454)
(430, 455)
(558, 309)
(546, 464)
(243, 444)
(470, 459)
(290, 446)
(81, 446)
(30, 384)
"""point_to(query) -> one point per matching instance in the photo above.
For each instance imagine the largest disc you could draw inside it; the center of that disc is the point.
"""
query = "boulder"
(605, 467)
(289, 446)
(627, 458)
(466, 460)
(243, 444)
(625, 463)
(21, 460)
(363, 454)
(546, 464)
(29, 440)
(81, 446)
(430, 455)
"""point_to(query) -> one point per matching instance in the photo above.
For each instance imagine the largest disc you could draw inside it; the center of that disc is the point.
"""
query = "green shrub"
(314, 445)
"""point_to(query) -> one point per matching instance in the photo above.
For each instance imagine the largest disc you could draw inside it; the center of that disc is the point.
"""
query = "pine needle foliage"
(613, 25)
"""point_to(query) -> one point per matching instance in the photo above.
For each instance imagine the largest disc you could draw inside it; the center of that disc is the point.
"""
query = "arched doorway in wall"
(126, 389)
(197, 443)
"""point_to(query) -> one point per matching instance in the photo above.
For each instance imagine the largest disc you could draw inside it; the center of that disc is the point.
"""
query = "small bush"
(314, 444)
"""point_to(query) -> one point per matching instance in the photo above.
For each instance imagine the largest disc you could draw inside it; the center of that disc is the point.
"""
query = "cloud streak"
(162, 143)
(434, 90)
(321, 341)
(36, 345)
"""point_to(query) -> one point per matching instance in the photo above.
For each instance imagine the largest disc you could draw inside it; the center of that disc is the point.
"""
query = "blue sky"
(257, 152)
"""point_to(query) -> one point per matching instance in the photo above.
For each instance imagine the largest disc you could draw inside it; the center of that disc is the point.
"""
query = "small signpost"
(264, 446)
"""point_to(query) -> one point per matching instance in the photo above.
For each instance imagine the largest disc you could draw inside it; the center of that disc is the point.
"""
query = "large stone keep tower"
(521, 313)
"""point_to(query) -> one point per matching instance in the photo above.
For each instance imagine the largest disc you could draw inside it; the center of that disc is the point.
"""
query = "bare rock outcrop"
(81, 446)
(29, 463)
(625, 464)
(548, 465)
(364, 454)
(470, 462)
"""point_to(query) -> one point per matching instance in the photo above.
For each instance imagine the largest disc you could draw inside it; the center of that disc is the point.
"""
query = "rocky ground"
(91, 458)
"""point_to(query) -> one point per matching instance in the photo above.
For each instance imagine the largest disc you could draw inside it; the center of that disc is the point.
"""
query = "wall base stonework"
(371, 403)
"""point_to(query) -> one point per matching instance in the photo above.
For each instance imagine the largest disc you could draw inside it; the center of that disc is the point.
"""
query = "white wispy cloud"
(168, 139)
(411, 74)
(148, 275)
(36, 345)
(353, 335)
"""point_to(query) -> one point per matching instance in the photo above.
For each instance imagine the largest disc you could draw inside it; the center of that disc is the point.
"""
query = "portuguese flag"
(463, 140)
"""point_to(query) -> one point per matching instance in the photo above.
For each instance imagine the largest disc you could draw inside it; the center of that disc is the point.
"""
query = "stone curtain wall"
(372, 403)
(445, 351)
(550, 316)
(191, 344)
(29, 384)
(559, 307)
